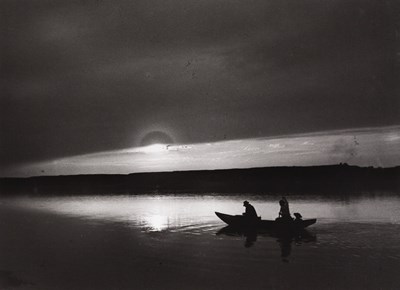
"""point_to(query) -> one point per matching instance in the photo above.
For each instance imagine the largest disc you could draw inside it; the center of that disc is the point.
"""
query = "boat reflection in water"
(285, 239)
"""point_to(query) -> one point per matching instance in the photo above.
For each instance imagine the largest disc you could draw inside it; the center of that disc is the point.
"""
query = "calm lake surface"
(177, 242)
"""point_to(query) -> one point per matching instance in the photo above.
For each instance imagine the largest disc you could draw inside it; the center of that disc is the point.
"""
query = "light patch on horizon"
(377, 147)
(393, 137)
(153, 149)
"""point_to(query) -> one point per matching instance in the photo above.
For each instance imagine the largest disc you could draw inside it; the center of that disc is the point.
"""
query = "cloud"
(345, 148)
(276, 146)
(329, 147)
(89, 76)
(392, 137)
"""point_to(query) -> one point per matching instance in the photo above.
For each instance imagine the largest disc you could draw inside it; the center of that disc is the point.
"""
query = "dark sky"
(87, 76)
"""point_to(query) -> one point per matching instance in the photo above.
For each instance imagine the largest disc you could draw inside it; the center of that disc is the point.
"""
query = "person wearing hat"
(250, 210)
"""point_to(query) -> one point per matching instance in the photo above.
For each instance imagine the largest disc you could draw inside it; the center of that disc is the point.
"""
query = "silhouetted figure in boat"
(250, 212)
(284, 212)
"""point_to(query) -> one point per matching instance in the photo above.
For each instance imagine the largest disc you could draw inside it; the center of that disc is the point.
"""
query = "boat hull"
(243, 222)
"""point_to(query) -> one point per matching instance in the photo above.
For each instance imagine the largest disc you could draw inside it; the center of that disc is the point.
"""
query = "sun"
(155, 148)
(156, 138)
(155, 142)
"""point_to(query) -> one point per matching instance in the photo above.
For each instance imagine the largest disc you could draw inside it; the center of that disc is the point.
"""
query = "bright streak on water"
(192, 212)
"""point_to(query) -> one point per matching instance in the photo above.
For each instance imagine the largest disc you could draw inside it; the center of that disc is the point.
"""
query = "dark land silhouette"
(340, 178)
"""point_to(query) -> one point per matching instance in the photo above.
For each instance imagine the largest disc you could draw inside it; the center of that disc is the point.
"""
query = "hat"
(245, 202)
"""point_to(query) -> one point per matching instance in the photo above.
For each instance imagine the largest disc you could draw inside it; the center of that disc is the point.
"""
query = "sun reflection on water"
(195, 214)
(156, 223)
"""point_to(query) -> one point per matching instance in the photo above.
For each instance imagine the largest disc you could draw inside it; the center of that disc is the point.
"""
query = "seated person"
(250, 210)
(284, 212)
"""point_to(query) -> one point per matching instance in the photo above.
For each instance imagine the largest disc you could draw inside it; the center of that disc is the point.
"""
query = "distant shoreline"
(326, 178)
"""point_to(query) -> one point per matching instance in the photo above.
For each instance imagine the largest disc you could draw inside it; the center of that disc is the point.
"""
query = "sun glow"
(155, 148)
(156, 223)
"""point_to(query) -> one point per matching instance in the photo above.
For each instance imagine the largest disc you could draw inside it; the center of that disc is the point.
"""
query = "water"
(177, 242)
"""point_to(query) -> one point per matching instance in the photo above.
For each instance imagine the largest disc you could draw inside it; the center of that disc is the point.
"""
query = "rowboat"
(241, 221)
